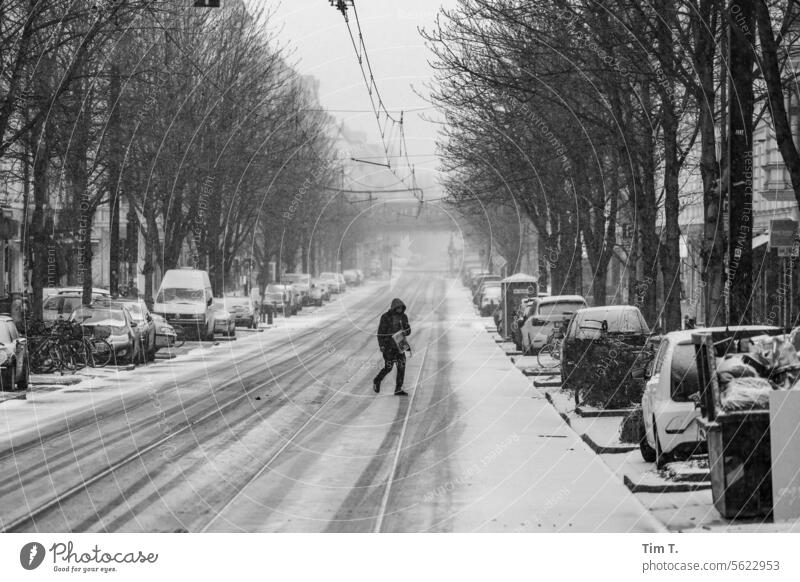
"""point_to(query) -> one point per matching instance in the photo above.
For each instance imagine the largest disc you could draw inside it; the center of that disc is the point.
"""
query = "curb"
(684, 487)
(593, 413)
(38, 380)
(563, 415)
(547, 383)
(538, 372)
(607, 450)
(6, 396)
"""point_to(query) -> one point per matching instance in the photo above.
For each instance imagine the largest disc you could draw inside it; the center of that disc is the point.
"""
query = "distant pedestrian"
(392, 322)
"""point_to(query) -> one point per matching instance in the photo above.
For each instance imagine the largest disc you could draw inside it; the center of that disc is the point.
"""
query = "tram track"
(195, 419)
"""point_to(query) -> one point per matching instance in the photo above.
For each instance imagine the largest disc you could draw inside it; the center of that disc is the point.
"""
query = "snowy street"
(280, 431)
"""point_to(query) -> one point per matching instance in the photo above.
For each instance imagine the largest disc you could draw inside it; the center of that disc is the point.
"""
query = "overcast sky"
(399, 58)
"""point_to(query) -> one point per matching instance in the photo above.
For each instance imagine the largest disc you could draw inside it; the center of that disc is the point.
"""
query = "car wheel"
(662, 458)
(648, 452)
(25, 381)
(7, 378)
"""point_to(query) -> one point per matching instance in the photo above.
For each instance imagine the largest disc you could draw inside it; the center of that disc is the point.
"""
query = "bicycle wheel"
(43, 359)
(71, 357)
(99, 352)
(545, 356)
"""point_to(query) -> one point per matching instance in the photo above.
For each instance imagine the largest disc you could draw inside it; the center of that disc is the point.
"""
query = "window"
(5, 334)
(684, 380)
(658, 361)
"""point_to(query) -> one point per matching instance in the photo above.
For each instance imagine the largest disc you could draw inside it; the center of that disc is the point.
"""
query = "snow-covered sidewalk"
(513, 463)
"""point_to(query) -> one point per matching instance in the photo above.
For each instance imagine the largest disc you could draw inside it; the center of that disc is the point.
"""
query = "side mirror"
(134, 324)
(639, 374)
(209, 301)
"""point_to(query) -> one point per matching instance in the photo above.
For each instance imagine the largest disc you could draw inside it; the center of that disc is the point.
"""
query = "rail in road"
(111, 473)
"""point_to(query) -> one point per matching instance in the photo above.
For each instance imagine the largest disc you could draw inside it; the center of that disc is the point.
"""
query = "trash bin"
(740, 461)
(739, 452)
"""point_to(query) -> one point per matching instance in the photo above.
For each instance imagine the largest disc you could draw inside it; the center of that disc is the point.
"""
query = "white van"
(185, 298)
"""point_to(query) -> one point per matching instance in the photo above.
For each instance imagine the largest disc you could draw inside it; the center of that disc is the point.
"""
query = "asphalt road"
(277, 431)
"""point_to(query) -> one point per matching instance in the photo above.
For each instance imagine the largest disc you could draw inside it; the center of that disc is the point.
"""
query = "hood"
(397, 303)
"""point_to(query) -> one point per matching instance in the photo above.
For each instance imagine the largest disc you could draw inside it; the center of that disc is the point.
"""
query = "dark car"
(521, 315)
(602, 349)
(14, 369)
(243, 310)
(113, 321)
(62, 305)
(145, 326)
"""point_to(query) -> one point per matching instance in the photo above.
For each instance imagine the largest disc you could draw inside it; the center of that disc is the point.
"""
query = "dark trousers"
(390, 360)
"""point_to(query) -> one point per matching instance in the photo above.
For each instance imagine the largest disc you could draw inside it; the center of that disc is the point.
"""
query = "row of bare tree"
(194, 117)
(586, 117)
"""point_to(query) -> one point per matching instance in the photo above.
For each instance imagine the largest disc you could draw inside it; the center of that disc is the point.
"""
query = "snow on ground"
(515, 464)
(47, 404)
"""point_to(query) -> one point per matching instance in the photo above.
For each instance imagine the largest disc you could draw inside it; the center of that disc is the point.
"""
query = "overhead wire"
(376, 100)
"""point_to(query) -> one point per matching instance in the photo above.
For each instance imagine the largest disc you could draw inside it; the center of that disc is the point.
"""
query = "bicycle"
(552, 350)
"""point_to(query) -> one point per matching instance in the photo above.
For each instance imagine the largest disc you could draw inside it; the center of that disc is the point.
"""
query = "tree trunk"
(43, 263)
(739, 281)
(114, 167)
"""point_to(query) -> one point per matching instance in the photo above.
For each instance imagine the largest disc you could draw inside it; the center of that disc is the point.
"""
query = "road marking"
(388, 490)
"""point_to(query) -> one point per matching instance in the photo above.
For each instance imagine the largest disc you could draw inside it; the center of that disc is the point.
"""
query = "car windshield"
(684, 380)
(5, 334)
(274, 289)
(136, 311)
(589, 329)
(237, 301)
(328, 276)
(179, 295)
(559, 308)
(92, 315)
(492, 292)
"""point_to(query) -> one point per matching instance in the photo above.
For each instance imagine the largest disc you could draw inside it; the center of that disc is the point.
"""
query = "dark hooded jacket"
(391, 323)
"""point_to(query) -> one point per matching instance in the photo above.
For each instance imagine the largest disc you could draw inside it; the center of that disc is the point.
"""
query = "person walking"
(393, 321)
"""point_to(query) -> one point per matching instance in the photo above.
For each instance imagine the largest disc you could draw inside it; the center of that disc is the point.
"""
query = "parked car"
(351, 277)
(600, 352)
(50, 291)
(480, 280)
(61, 305)
(325, 289)
(668, 407)
(224, 320)
(145, 326)
(279, 298)
(336, 283)
(483, 288)
(301, 283)
(111, 320)
(520, 316)
(14, 365)
(540, 321)
(361, 276)
(165, 333)
(243, 310)
(317, 295)
(489, 299)
(185, 298)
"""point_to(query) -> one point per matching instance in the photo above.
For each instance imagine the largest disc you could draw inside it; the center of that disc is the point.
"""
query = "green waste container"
(740, 461)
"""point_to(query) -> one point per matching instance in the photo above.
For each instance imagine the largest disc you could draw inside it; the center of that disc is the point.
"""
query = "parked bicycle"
(64, 346)
(549, 355)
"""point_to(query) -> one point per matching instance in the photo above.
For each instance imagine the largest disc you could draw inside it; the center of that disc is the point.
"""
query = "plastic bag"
(733, 367)
(746, 393)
